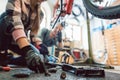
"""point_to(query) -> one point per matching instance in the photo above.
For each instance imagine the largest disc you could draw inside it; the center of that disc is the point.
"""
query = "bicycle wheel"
(106, 12)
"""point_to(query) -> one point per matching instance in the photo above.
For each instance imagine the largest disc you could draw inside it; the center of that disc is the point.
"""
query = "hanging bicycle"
(105, 9)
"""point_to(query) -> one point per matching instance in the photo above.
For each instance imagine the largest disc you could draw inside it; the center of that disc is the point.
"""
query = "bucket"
(76, 54)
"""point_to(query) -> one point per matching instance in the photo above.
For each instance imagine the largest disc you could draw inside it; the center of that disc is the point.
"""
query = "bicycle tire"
(103, 13)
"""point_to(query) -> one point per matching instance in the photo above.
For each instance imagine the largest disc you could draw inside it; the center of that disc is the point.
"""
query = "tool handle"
(7, 68)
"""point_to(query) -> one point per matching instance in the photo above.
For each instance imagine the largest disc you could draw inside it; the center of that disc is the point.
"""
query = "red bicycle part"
(68, 6)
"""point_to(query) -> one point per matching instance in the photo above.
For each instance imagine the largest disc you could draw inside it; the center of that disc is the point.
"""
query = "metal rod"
(89, 38)
(61, 5)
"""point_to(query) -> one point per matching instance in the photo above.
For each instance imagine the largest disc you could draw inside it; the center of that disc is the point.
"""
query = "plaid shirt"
(21, 16)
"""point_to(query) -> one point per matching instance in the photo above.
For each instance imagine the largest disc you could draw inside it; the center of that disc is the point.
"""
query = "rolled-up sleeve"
(13, 10)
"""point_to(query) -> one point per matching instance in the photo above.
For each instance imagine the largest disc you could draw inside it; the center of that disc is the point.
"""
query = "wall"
(2, 5)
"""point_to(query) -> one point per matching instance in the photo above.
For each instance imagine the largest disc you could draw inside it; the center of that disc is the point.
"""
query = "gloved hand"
(33, 60)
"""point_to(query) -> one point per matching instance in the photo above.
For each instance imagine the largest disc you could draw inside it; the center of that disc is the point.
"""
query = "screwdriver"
(6, 68)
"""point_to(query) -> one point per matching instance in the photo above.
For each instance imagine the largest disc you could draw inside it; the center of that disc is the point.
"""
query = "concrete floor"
(110, 74)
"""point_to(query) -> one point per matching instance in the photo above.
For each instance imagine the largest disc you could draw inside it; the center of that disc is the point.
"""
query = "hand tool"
(5, 68)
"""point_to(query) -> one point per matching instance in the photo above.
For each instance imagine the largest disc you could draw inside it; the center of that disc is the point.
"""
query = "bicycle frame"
(64, 8)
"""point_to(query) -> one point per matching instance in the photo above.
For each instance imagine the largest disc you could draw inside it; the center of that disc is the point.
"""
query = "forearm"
(20, 37)
(22, 42)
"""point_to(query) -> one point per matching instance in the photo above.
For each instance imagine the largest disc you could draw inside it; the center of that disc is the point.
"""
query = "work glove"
(33, 60)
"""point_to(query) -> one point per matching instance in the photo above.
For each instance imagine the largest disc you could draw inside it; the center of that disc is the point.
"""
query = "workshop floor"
(110, 74)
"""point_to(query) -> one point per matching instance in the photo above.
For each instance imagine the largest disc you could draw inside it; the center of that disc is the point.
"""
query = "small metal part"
(63, 75)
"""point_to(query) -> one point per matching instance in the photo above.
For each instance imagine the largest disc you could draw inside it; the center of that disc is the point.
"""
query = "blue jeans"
(5, 35)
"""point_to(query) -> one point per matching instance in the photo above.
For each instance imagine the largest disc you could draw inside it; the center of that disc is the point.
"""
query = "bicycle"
(104, 9)
(91, 6)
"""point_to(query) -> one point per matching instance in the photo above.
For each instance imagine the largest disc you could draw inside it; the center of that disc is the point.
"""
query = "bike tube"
(102, 12)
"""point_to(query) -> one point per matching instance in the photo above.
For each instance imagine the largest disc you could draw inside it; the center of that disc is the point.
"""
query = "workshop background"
(105, 38)
(104, 48)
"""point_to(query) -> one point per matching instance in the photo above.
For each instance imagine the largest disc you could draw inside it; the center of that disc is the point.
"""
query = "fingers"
(33, 68)
(47, 74)
(41, 69)
(38, 66)
(37, 69)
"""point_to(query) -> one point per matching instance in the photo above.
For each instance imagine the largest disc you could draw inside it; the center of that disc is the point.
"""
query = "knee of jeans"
(6, 27)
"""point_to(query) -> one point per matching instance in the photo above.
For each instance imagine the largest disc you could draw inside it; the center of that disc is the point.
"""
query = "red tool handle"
(7, 68)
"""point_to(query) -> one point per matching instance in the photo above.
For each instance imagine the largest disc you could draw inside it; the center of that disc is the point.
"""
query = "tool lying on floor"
(83, 71)
(6, 68)
(19, 74)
